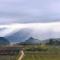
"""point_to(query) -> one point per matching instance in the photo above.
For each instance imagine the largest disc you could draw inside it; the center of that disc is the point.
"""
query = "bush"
(36, 49)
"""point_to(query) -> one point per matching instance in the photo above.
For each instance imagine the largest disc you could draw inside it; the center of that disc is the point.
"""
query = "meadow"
(43, 52)
(52, 53)
(7, 57)
(42, 56)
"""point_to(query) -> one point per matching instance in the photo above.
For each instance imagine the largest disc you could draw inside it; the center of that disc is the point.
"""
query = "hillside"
(31, 40)
(4, 41)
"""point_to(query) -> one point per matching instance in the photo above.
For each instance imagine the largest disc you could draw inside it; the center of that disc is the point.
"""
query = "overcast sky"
(29, 11)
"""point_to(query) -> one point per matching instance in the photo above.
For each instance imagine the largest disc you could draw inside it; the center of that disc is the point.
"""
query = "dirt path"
(21, 55)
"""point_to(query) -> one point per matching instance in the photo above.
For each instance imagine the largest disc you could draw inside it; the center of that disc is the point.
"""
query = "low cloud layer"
(40, 31)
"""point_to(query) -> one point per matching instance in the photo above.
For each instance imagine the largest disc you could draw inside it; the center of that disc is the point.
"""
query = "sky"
(29, 11)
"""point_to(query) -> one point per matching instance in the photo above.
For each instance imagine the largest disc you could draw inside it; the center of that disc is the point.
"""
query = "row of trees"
(53, 42)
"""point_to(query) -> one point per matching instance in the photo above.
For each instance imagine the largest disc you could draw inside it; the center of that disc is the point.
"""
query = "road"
(21, 55)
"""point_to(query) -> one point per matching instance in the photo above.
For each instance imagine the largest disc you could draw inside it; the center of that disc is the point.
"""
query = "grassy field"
(42, 56)
(52, 53)
(34, 56)
(6, 57)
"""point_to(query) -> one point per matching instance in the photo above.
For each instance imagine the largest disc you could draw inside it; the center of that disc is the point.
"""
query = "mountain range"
(31, 40)
(21, 32)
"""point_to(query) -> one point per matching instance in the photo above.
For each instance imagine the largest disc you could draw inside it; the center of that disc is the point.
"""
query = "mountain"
(20, 32)
(31, 40)
(4, 41)
(19, 36)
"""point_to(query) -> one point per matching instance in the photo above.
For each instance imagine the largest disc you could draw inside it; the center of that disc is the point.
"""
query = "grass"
(7, 57)
(42, 56)
(34, 56)
(52, 53)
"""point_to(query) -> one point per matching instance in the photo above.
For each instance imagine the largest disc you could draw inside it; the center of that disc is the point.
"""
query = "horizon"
(37, 18)
(21, 31)
(29, 29)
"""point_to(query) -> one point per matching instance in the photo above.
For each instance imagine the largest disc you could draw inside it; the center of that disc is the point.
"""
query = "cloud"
(25, 11)
(38, 30)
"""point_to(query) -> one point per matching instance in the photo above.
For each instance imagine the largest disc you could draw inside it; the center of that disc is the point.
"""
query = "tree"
(51, 42)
